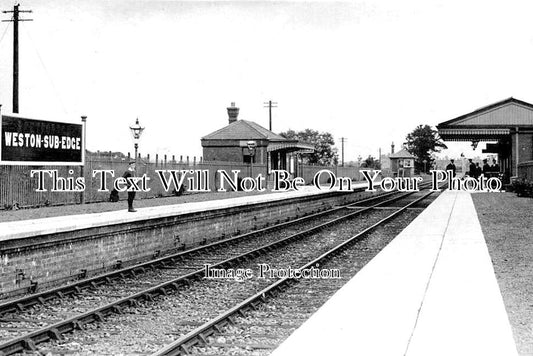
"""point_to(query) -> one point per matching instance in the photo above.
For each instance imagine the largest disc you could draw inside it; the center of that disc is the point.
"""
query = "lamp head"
(136, 130)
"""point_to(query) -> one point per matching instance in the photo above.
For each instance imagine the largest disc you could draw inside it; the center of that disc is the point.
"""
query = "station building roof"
(491, 122)
(244, 130)
(238, 132)
(403, 153)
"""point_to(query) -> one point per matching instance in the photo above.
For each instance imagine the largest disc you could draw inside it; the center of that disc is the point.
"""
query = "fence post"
(10, 185)
(82, 167)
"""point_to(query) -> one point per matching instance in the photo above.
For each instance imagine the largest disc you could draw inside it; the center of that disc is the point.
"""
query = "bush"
(179, 192)
(113, 196)
(523, 188)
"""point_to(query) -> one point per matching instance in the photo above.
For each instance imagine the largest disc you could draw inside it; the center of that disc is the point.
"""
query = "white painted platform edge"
(375, 313)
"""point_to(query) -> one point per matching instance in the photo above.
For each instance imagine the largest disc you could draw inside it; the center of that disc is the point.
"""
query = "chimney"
(392, 148)
(233, 112)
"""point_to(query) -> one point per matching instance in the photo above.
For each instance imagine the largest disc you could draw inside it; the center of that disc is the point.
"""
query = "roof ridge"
(217, 131)
(253, 128)
(410, 155)
(487, 108)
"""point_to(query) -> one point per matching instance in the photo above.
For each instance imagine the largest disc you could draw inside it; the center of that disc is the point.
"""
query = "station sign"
(32, 142)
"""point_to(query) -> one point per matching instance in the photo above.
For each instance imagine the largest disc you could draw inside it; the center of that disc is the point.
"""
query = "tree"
(422, 142)
(371, 162)
(323, 141)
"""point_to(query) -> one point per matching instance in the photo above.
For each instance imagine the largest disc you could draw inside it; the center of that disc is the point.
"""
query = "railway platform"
(29, 228)
(41, 253)
(431, 291)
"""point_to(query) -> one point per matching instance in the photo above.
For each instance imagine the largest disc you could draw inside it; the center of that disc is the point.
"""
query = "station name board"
(36, 142)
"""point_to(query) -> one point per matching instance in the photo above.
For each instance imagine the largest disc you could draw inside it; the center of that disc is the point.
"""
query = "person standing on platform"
(472, 169)
(495, 167)
(451, 167)
(486, 168)
(130, 172)
(478, 170)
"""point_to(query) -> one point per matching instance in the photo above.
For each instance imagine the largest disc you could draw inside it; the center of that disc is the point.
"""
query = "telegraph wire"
(52, 84)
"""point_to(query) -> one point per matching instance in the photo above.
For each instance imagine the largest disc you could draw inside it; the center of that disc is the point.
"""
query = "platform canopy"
(490, 123)
(291, 146)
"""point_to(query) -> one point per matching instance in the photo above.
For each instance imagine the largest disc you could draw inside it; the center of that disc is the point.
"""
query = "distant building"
(106, 155)
(402, 163)
(230, 144)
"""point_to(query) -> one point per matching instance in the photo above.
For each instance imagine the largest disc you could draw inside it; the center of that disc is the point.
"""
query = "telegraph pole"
(15, 21)
(342, 149)
(270, 104)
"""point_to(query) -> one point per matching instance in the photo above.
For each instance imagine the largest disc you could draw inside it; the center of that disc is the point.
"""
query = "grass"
(507, 223)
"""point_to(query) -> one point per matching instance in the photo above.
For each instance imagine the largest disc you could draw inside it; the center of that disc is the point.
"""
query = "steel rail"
(19, 304)
(54, 331)
(199, 335)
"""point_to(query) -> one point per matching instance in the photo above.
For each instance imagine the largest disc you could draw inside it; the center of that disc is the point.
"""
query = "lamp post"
(136, 131)
(251, 147)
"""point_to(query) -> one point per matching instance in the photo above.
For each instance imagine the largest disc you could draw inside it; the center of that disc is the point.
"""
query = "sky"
(368, 71)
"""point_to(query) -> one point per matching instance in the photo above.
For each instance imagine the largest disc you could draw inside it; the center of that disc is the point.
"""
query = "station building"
(231, 144)
(398, 164)
(506, 126)
(402, 163)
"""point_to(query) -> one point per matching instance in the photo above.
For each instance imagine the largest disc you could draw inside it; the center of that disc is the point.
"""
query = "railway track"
(265, 319)
(124, 273)
(54, 316)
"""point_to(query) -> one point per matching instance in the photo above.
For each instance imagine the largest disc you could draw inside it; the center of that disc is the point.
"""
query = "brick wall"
(50, 259)
(525, 170)
(228, 154)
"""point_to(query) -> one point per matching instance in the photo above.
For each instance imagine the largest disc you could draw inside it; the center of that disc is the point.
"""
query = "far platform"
(431, 291)
(32, 227)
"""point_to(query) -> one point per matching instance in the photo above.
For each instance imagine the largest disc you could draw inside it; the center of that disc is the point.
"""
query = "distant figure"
(451, 167)
(495, 167)
(131, 195)
(478, 170)
(471, 168)
(486, 168)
